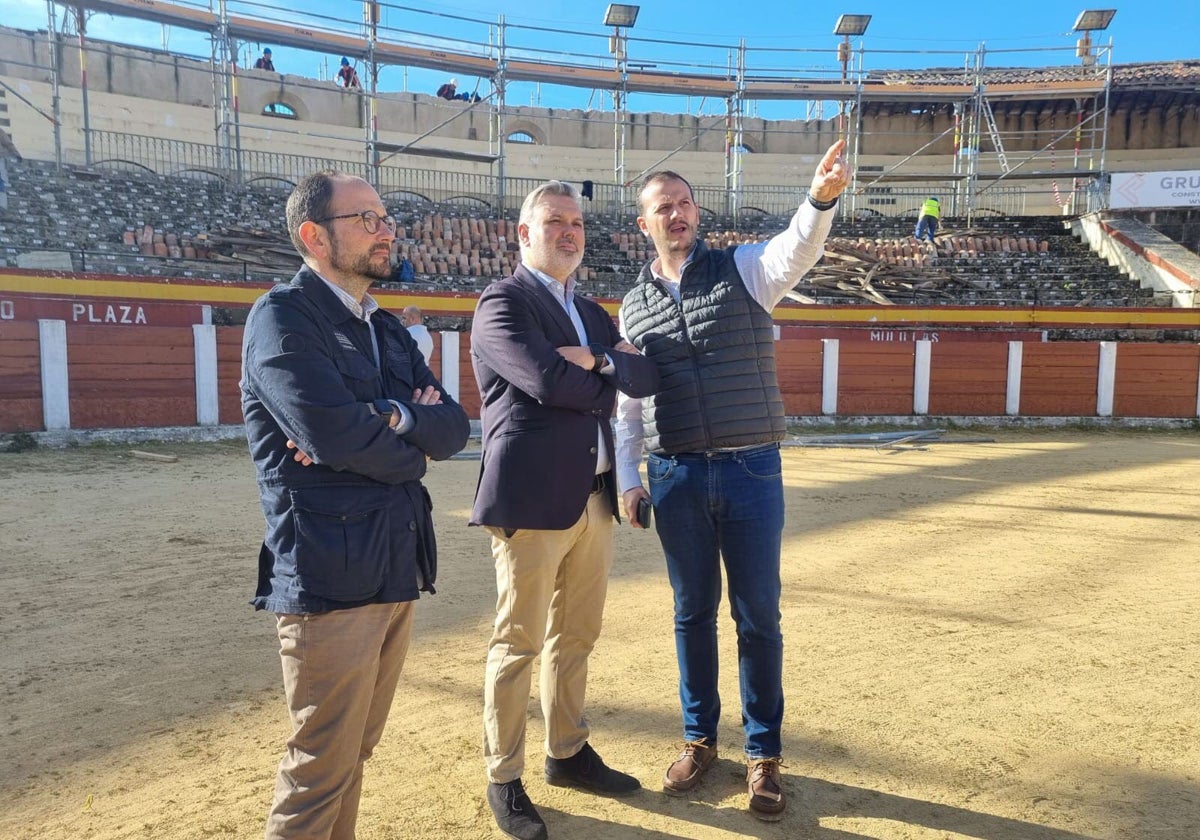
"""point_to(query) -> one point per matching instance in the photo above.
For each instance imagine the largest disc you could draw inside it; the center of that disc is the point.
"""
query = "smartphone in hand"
(643, 512)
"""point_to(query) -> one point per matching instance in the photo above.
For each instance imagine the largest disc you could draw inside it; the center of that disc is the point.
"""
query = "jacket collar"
(698, 253)
(528, 280)
(316, 290)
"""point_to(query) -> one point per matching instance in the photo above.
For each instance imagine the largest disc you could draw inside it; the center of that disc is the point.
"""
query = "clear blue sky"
(901, 35)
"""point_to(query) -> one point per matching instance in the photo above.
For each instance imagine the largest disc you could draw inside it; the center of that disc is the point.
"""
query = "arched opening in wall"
(527, 132)
(279, 109)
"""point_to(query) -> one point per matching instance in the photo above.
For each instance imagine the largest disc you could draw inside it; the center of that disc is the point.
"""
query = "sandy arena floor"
(995, 641)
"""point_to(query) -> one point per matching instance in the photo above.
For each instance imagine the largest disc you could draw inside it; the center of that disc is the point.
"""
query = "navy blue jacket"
(539, 411)
(355, 527)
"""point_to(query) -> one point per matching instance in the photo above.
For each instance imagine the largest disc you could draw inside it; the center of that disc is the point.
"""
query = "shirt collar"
(657, 264)
(362, 311)
(560, 291)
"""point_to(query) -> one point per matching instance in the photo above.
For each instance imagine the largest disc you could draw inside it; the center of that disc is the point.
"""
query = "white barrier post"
(449, 377)
(204, 340)
(921, 376)
(56, 386)
(1012, 398)
(1106, 378)
(829, 376)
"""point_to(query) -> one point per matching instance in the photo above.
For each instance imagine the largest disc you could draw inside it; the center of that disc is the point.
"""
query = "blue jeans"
(926, 228)
(714, 506)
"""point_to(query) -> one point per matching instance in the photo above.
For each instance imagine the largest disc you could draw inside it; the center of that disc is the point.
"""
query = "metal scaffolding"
(984, 154)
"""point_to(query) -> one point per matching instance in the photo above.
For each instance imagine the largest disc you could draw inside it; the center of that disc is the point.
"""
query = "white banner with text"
(1132, 190)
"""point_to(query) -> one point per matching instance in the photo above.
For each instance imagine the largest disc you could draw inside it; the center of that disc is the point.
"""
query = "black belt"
(722, 454)
(599, 482)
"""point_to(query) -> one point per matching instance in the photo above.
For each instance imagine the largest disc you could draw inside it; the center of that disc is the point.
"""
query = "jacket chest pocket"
(400, 368)
(358, 372)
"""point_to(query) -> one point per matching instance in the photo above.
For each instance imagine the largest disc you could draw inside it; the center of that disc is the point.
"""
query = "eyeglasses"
(369, 218)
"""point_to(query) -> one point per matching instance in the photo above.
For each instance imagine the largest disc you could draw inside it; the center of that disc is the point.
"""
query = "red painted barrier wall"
(126, 378)
(968, 378)
(1156, 380)
(798, 366)
(229, 373)
(20, 377)
(468, 391)
(875, 378)
(1059, 380)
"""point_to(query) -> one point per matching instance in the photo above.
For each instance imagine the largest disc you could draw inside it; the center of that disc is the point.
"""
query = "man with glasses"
(341, 414)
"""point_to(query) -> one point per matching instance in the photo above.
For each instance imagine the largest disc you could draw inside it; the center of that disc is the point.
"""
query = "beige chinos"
(550, 589)
(340, 670)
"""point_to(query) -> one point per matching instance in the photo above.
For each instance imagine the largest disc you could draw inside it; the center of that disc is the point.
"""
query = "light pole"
(620, 16)
(846, 26)
(1089, 21)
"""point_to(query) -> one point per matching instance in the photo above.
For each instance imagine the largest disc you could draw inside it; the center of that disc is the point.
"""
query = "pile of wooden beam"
(850, 271)
(261, 249)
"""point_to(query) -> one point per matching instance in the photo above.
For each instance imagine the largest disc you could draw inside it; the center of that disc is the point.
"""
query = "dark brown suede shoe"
(766, 789)
(685, 773)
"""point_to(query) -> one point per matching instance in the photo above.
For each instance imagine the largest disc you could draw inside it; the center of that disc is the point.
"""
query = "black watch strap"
(382, 407)
(822, 205)
(599, 359)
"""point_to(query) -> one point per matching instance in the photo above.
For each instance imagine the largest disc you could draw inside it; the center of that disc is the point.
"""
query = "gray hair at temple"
(548, 188)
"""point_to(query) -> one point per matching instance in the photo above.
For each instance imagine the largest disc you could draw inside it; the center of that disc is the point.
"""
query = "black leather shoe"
(515, 814)
(587, 771)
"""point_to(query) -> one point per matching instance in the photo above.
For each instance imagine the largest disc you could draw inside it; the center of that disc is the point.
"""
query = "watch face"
(383, 407)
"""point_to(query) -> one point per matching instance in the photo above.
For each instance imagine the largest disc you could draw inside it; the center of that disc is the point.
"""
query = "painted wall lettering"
(113, 313)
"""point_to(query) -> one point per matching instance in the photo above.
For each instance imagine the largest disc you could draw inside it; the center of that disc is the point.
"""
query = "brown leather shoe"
(766, 789)
(684, 774)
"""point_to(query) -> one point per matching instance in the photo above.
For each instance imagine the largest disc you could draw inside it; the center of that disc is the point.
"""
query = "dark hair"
(310, 201)
(656, 177)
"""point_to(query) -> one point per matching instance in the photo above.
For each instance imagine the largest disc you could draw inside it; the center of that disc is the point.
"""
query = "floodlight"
(1093, 20)
(621, 14)
(851, 24)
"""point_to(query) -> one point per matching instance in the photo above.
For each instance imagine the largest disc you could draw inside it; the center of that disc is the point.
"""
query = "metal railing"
(447, 187)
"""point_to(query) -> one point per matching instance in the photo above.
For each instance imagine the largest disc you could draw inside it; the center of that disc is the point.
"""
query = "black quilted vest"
(715, 351)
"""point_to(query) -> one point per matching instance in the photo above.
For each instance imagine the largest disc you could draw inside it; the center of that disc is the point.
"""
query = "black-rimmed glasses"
(369, 218)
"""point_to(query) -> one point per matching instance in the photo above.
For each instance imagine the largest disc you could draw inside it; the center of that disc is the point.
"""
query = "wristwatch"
(599, 358)
(822, 205)
(382, 407)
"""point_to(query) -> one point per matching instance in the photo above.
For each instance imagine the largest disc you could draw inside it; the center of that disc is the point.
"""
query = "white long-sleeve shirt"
(770, 270)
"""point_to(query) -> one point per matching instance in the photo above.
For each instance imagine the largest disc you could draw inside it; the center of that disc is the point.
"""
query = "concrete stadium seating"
(136, 223)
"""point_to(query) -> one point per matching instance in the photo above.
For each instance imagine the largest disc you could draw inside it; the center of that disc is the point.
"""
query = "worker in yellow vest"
(927, 224)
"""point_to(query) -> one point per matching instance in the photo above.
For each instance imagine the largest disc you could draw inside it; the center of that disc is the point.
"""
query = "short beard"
(362, 266)
(685, 245)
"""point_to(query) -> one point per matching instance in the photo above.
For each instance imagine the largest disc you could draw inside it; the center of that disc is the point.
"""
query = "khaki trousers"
(550, 588)
(340, 670)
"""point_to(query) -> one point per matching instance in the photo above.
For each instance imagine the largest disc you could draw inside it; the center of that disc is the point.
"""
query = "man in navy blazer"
(548, 364)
